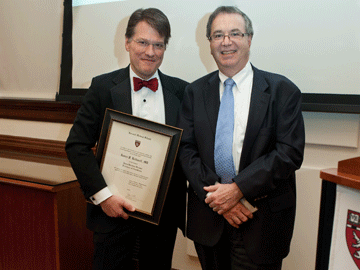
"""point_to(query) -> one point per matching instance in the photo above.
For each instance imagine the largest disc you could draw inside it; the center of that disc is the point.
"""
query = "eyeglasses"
(232, 35)
(144, 44)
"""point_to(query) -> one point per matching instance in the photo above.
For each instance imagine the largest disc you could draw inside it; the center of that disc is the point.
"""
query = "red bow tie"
(151, 84)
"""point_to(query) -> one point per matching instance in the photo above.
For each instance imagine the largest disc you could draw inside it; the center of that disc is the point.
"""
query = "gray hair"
(229, 10)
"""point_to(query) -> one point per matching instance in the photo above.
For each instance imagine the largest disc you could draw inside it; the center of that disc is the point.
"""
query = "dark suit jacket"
(112, 90)
(272, 151)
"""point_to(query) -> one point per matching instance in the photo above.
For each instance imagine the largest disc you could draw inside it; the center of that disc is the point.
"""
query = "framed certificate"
(136, 158)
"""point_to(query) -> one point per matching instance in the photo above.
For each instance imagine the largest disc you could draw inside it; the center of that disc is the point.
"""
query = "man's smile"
(228, 52)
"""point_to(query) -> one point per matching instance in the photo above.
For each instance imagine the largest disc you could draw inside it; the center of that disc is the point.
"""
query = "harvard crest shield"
(137, 143)
(353, 235)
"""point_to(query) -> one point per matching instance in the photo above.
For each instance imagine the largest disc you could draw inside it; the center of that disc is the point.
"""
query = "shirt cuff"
(101, 196)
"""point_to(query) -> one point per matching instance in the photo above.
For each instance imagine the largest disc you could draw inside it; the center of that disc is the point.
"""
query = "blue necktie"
(224, 162)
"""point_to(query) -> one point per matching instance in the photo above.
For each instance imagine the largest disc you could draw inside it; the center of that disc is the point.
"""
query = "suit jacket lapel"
(259, 104)
(172, 103)
(212, 100)
(121, 92)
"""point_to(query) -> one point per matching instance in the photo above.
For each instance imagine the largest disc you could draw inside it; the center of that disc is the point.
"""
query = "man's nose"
(150, 51)
(226, 40)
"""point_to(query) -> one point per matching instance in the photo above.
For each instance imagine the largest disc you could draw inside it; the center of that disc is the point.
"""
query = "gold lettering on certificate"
(140, 136)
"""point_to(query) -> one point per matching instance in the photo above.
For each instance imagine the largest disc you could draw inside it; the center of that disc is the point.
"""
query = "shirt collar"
(239, 77)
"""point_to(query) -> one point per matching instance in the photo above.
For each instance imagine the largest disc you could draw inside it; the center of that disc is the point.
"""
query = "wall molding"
(32, 146)
(34, 150)
(37, 110)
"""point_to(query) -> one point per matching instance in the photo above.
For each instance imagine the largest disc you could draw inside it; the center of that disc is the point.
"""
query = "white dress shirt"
(145, 104)
(242, 95)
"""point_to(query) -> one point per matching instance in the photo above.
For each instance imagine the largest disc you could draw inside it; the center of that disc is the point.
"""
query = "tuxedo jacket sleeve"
(272, 151)
(111, 90)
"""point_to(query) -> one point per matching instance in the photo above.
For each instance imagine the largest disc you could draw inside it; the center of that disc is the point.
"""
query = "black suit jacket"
(272, 151)
(113, 90)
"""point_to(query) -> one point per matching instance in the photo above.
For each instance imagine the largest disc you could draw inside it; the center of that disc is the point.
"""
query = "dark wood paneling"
(34, 110)
(43, 227)
(26, 241)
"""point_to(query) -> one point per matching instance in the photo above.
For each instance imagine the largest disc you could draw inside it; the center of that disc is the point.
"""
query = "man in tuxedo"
(240, 155)
(157, 98)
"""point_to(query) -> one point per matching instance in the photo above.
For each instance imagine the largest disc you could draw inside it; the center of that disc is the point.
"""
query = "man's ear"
(127, 44)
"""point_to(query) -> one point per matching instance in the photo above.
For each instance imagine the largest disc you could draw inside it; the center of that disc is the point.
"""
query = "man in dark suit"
(157, 98)
(240, 155)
